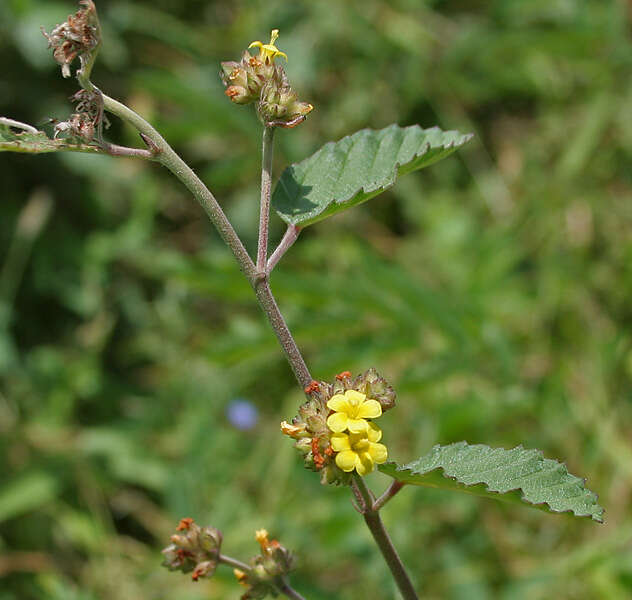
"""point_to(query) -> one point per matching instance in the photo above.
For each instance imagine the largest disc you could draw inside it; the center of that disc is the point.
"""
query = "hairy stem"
(233, 562)
(288, 239)
(282, 331)
(382, 539)
(285, 588)
(167, 157)
(266, 190)
(391, 491)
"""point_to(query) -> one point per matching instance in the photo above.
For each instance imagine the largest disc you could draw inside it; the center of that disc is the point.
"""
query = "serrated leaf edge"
(465, 137)
(598, 518)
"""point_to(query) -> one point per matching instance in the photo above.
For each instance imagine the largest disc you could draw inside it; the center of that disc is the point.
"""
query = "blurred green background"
(492, 289)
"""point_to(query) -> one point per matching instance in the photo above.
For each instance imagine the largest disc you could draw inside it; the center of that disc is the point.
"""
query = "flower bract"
(350, 411)
(359, 451)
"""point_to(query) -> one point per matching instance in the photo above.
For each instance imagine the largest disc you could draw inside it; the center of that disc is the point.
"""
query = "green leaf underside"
(36, 143)
(519, 475)
(356, 168)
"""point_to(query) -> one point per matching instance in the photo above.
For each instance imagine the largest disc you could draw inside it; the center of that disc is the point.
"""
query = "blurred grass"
(493, 290)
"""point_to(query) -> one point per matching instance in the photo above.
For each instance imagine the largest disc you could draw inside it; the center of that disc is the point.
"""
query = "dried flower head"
(88, 119)
(78, 36)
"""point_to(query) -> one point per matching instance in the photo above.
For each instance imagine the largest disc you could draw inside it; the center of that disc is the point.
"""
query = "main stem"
(382, 539)
(165, 155)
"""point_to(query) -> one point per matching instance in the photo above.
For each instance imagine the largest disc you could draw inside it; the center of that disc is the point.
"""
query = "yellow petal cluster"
(359, 451)
(359, 448)
(268, 52)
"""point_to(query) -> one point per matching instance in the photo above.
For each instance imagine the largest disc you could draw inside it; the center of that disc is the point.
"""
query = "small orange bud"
(343, 375)
(185, 524)
(313, 386)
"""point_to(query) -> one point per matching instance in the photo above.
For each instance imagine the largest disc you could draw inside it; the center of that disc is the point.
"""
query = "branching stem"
(388, 494)
(281, 582)
(382, 539)
(288, 239)
(233, 562)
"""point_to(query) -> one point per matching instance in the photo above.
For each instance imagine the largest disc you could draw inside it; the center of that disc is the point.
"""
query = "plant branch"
(166, 156)
(388, 494)
(285, 588)
(18, 125)
(292, 353)
(233, 562)
(382, 539)
(281, 582)
(288, 239)
(266, 190)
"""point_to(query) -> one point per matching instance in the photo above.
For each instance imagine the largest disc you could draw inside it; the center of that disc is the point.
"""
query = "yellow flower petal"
(370, 409)
(364, 463)
(337, 422)
(374, 433)
(378, 452)
(355, 425)
(346, 460)
(354, 397)
(340, 442)
(268, 52)
(338, 403)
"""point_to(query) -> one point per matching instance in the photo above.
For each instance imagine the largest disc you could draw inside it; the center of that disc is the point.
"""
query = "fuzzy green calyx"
(274, 562)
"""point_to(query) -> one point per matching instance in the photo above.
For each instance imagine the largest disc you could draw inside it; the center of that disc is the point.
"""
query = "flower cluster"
(193, 549)
(258, 79)
(274, 561)
(334, 429)
(359, 448)
(78, 36)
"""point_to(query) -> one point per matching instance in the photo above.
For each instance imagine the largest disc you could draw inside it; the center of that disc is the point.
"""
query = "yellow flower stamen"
(268, 52)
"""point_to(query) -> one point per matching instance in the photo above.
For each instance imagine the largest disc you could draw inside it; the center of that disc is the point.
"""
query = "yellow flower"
(359, 451)
(350, 411)
(268, 52)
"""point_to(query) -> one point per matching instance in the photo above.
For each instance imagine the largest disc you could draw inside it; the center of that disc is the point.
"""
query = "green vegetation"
(493, 291)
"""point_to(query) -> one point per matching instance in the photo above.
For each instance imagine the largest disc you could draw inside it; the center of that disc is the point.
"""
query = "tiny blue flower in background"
(242, 414)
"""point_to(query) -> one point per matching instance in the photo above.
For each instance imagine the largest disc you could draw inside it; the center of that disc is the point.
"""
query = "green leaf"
(356, 168)
(519, 474)
(27, 493)
(37, 143)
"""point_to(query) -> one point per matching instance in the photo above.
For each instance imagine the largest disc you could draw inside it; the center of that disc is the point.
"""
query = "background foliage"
(493, 289)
